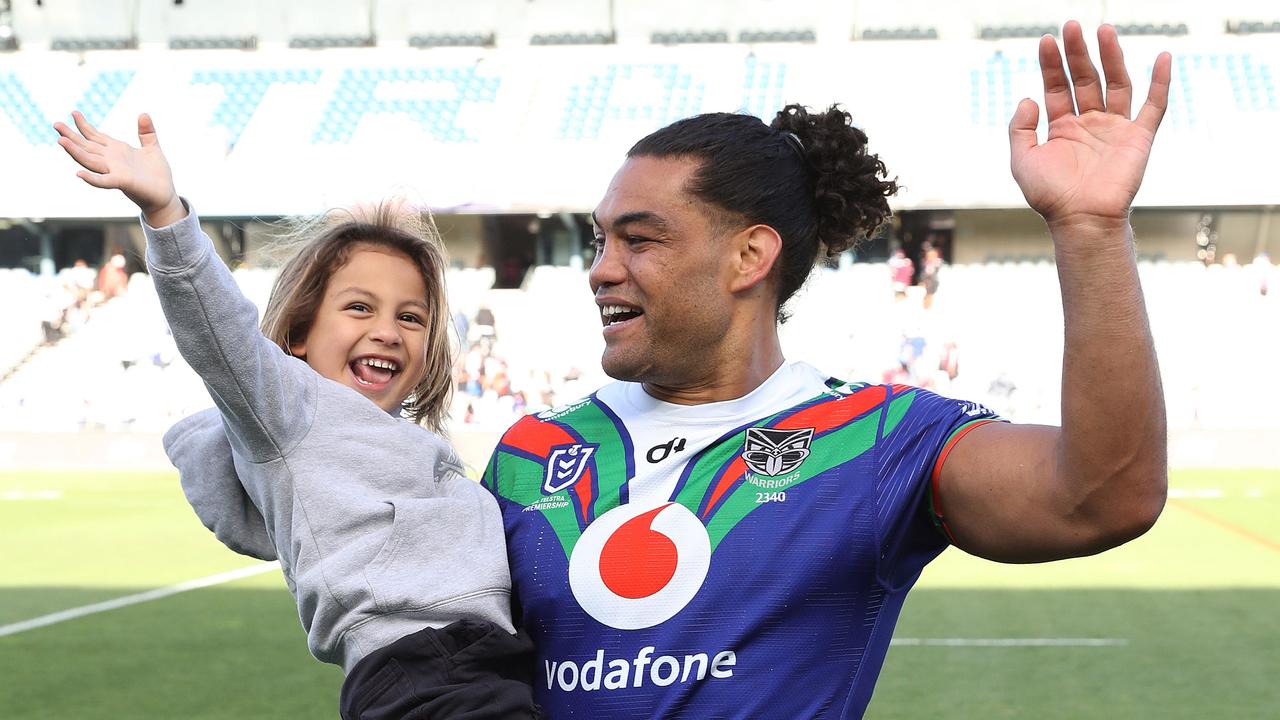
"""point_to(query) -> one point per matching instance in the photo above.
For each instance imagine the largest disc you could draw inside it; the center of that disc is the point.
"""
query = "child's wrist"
(170, 213)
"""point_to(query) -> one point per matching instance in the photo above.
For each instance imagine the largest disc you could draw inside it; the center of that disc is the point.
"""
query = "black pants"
(470, 670)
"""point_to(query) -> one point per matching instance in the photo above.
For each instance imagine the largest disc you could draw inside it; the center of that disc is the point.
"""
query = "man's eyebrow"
(640, 216)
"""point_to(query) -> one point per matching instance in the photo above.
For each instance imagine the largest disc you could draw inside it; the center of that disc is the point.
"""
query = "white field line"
(1195, 493)
(1010, 642)
(31, 495)
(127, 600)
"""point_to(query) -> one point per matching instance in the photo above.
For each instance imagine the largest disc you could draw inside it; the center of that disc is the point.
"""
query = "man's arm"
(1034, 493)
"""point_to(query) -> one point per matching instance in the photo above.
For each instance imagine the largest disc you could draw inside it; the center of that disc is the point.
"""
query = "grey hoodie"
(377, 531)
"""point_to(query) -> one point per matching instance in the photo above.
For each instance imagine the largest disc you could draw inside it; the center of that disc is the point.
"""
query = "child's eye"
(359, 307)
(410, 317)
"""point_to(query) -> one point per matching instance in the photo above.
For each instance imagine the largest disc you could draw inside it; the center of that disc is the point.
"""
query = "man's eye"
(598, 241)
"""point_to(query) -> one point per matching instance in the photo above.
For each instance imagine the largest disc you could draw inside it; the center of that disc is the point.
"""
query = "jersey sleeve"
(918, 428)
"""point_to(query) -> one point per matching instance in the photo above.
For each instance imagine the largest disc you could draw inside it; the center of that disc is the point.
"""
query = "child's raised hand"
(142, 173)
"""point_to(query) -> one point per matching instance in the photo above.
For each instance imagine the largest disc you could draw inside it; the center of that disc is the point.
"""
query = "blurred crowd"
(103, 359)
(493, 386)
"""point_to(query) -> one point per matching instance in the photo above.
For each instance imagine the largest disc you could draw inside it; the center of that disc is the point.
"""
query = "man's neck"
(726, 381)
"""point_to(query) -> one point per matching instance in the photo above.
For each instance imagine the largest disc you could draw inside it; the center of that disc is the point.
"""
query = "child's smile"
(370, 329)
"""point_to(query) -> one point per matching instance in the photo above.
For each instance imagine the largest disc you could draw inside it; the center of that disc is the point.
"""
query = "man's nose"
(606, 267)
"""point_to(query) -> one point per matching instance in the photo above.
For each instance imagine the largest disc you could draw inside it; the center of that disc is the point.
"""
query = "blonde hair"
(320, 246)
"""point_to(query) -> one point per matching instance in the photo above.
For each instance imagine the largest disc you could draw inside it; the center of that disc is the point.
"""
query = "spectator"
(112, 280)
(1262, 268)
(929, 274)
(901, 270)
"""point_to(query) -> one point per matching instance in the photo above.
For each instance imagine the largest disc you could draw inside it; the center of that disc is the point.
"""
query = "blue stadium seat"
(354, 98)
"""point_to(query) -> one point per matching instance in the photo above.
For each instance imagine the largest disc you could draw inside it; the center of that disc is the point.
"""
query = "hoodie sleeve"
(267, 398)
(198, 447)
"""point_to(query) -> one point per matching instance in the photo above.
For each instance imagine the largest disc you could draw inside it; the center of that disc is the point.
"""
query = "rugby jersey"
(737, 559)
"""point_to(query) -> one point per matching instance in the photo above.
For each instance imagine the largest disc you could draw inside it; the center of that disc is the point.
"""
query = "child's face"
(370, 329)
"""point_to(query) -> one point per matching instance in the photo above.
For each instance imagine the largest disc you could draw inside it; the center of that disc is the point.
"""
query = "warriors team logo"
(638, 565)
(565, 465)
(772, 452)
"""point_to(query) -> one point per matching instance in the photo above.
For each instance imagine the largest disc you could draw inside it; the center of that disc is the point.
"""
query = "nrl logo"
(772, 452)
(565, 465)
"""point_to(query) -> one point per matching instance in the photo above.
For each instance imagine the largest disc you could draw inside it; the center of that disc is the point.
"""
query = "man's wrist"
(1088, 224)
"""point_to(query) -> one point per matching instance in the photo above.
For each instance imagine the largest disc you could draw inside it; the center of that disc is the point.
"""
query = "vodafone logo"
(638, 565)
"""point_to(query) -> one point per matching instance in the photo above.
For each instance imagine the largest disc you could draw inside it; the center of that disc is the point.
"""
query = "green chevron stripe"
(709, 463)
(704, 471)
(610, 457)
(826, 452)
(520, 481)
(897, 410)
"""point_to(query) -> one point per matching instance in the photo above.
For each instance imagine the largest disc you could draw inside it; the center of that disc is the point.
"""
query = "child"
(396, 560)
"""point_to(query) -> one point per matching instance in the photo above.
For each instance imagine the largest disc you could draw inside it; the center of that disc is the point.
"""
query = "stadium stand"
(483, 114)
(1211, 328)
(321, 42)
(907, 33)
(1003, 32)
(451, 40)
(1249, 28)
(776, 36)
(243, 42)
(687, 37)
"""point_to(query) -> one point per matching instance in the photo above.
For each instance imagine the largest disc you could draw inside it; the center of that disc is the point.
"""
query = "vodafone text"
(663, 670)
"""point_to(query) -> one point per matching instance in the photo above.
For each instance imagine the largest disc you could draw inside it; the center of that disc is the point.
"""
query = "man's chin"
(621, 368)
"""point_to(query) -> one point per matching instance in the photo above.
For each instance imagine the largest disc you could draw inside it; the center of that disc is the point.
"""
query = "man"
(725, 534)
(722, 533)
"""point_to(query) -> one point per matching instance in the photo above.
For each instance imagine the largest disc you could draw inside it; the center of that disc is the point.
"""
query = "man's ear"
(757, 251)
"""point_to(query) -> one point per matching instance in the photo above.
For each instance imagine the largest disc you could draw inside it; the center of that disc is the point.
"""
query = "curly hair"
(807, 175)
(321, 246)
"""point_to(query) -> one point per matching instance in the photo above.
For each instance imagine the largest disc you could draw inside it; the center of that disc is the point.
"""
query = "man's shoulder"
(572, 413)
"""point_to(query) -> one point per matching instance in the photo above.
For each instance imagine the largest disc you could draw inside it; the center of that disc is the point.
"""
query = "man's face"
(661, 275)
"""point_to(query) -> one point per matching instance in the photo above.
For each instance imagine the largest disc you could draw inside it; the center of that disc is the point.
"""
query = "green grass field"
(1190, 616)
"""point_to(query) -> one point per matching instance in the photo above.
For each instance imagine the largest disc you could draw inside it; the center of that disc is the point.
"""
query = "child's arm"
(197, 445)
(266, 397)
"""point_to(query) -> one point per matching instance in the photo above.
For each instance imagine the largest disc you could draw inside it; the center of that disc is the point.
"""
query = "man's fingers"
(1057, 90)
(1022, 129)
(88, 160)
(1119, 88)
(1152, 111)
(106, 182)
(1084, 76)
(147, 131)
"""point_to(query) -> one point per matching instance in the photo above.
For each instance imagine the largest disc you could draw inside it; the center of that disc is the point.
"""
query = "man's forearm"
(1113, 448)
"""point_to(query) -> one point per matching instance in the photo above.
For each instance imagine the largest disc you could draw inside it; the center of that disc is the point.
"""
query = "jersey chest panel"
(747, 559)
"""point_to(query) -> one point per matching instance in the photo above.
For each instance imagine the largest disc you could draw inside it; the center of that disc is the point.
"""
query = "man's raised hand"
(1092, 164)
(141, 173)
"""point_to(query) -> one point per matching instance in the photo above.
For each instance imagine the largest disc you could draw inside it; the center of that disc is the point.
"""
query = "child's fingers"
(106, 182)
(90, 132)
(88, 160)
(70, 134)
(147, 131)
